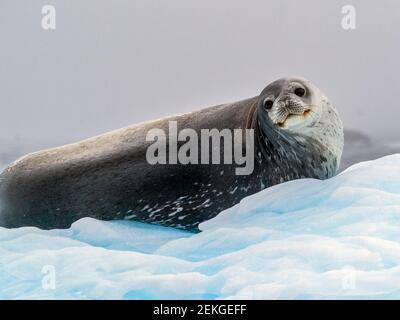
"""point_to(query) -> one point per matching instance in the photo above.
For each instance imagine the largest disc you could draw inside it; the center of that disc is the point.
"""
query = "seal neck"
(295, 155)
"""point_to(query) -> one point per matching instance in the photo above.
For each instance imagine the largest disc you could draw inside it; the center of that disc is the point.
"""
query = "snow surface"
(304, 239)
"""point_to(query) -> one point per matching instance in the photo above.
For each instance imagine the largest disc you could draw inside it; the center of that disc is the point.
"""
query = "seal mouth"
(294, 118)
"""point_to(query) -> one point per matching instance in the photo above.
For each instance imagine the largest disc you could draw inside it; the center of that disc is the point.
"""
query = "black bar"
(200, 309)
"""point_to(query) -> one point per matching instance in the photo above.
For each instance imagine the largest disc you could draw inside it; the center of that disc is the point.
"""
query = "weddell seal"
(147, 173)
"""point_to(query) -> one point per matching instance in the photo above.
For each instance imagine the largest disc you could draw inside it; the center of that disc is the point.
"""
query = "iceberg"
(304, 239)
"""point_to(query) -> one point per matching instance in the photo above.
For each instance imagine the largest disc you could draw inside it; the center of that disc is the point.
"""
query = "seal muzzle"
(286, 106)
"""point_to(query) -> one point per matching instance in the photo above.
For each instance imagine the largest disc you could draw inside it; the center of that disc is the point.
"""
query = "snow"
(305, 239)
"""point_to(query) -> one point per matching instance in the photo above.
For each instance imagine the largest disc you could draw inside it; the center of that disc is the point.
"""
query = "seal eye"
(268, 103)
(300, 92)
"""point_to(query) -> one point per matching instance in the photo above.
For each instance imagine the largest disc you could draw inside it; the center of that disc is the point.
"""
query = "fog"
(112, 64)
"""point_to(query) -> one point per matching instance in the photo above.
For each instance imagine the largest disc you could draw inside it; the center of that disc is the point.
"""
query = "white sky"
(113, 63)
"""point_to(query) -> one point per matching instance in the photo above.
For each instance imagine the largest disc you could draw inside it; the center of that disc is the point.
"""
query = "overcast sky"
(109, 64)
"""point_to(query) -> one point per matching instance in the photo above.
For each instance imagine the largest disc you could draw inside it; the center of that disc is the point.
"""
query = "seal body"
(109, 176)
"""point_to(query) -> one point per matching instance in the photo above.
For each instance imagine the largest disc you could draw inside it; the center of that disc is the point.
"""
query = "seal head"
(294, 111)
